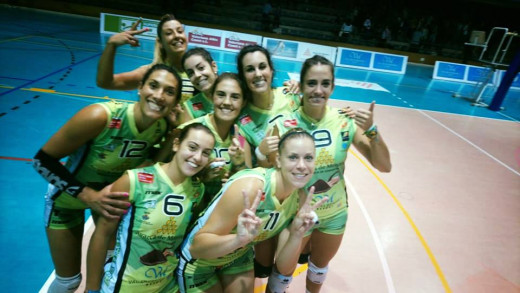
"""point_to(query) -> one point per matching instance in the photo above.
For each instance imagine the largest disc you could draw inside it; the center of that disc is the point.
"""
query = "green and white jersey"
(333, 136)
(254, 121)
(198, 106)
(275, 216)
(119, 147)
(187, 87)
(151, 231)
(219, 151)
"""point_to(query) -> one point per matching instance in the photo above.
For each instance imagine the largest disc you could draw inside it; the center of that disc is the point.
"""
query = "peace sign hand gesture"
(306, 217)
(236, 151)
(248, 223)
(128, 37)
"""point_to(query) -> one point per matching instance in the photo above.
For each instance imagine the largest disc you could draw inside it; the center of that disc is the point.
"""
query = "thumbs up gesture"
(365, 118)
(270, 142)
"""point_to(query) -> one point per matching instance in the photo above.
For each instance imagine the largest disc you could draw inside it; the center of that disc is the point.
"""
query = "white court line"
(466, 140)
(51, 278)
(375, 236)
(507, 116)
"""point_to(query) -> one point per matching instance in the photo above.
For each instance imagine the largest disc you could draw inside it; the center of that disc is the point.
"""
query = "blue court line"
(52, 73)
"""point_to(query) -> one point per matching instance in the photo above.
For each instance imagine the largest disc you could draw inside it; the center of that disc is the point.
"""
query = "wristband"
(259, 155)
(372, 132)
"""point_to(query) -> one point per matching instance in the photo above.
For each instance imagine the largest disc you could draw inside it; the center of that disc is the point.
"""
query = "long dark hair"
(314, 60)
(155, 67)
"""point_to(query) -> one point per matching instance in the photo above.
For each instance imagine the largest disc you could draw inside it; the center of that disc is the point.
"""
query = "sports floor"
(446, 219)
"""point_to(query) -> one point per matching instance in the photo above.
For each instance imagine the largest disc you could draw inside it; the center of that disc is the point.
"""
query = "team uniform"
(151, 231)
(119, 147)
(219, 151)
(198, 275)
(187, 87)
(254, 121)
(333, 136)
(198, 106)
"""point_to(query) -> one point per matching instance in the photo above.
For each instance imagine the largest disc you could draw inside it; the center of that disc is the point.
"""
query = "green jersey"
(333, 135)
(254, 121)
(219, 151)
(275, 216)
(187, 87)
(119, 147)
(151, 231)
(198, 106)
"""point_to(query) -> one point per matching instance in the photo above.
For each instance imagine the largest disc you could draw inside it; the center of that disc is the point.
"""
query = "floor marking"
(15, 39)
(375, 236)
(469, 142)
(68, 94)
(507, 116)
(52, 73)
(15, 159)
(60, 46)
(40, 90)
(410, 221)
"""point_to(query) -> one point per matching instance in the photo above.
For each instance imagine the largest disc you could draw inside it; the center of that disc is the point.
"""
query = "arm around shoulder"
(100, 240)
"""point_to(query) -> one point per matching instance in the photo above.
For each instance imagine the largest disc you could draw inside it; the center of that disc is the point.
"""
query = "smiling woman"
(202, 71)
(336, 133)
(170, 46)
(102, 141)
(254, 205)
(255, 69)
(162, 198)
(232, 152)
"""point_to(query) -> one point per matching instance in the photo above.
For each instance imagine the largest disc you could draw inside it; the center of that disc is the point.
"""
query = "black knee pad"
(262, 271)
(304, 258)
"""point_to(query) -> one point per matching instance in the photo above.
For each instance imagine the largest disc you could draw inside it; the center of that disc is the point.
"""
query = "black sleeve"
(56, 174)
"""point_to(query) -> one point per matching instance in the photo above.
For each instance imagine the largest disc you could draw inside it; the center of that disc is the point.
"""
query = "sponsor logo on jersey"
(290, 123)
(152, 192)
(345, 135)
(197, 106)
(115, 123)
(246, 119)
(145, 177)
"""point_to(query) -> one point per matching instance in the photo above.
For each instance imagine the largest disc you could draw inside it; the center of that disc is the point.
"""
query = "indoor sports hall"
(446, 219)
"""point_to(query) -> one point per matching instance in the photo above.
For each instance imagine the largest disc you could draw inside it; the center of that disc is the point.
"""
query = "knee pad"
(262, 271)
(304, 258)
(278, 283)
(315, 274)
(65, 285)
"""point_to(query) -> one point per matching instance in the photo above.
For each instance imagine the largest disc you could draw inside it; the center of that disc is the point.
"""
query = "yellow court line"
(73, 95)
(421, 238)
(15, 39)
(47, 91)
(33, 89)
